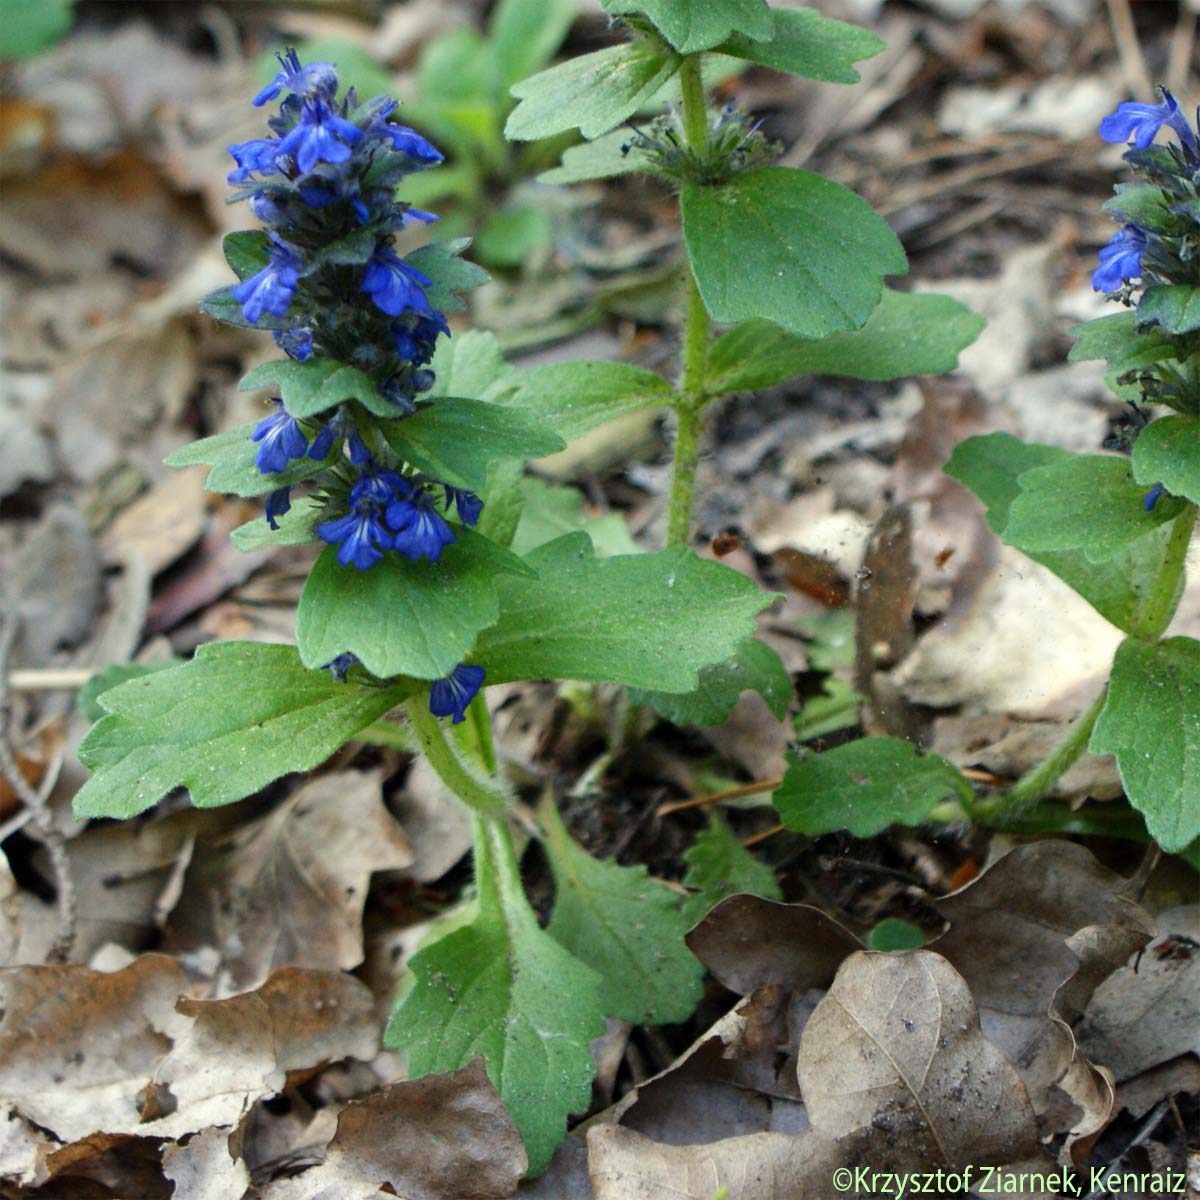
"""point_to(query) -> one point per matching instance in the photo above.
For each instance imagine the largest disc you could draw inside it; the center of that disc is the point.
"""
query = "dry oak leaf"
(130, 1052)
(443, 1137)
(204, 1169)
(894, 1049)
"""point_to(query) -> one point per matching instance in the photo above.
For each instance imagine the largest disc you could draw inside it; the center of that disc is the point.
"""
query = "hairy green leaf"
(231, 456)
(453, 439)
(503, 988)
(575, 397)
(1173, 307)
(692, 25)
(524, 35)
(718, 865)
(789, 246)
(1151, 722)
(317, 385)
(809, 44)
(627, 927)
(549, 512)
(401, 617)
(1116, 588)
(471, 364)
(1117, 339)
(88, 696)
(1167, 451)
(1140, 204)
(594, 92)
(236, 717)
(450, 274)
(754, 667)
(909, 333)
(295, 527)
(864, 787)
(646, 620)
(614, 153)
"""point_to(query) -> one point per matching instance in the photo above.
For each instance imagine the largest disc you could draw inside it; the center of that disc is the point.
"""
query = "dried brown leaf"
(895, 1049)
(204, 1168)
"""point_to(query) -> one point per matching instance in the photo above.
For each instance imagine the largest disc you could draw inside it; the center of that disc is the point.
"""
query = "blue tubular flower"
(420, 530)
(361, 537)
(450, 696)
(313, 79)
(1120, 259)
(340, 666)
(323, 443)
(281, 441)
(319, 136)
(395, 286)
(1140, 123)
(409, 142)
(257, 156)
(278, 503)
(468, 504)
(1152, 497)
(271, 290)
(296, 343)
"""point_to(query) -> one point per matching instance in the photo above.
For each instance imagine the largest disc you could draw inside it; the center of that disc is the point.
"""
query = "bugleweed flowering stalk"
(334, 287)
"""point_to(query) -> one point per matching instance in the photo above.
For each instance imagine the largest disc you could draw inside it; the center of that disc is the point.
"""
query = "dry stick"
(745, 789)
(37, 803)
(49, 679)
(755, 838)
(1129, 50)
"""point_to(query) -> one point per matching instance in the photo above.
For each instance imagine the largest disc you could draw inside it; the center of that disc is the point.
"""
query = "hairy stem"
(484, 795)
(1164, 594)
(690, 397)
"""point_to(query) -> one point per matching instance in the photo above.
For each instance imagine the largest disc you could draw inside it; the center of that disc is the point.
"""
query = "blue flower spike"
(420, 530)
(1120, 259)
(450, 697)
(1140, 123)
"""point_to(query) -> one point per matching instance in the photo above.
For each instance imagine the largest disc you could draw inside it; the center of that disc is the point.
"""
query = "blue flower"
(319, 78)
(270, 290)
(411, 214)
(415, 337)
(340, 666)
(323, 442)
(1140, 123)
(450, 696)
(361, 534)
(278, 503)
(1152, 497)
(255, 156)
(395, 286)
(409, 142)
(296, 343)
(321, 194)
(468, 504)
(281, 440)
(420, 530)
(1120, 259)
(359, 454)
(315, 138)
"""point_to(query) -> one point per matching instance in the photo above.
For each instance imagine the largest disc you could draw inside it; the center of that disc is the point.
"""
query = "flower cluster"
(1169, 253)
(327, 281)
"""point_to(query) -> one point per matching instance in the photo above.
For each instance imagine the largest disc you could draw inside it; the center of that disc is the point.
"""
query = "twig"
(49, 679)
(37, 803)
(745, 789)
(755, 838)
(1129, 49)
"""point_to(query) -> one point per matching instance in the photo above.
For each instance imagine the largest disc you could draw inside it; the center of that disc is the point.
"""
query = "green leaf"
(909, 333)
(647, 620)
(1173, 307)
(1151, 722)
(1117, 340)
(549, 512)
(595, 92)
(1116, 588)
(502, 500)
(575, 397)
(471, 364)
(454, 438)
(221, 306)
(830, 638)
(837, 707)
(1140, 204)
(313, 387)
(809, 44)
(504, 988)
(692, 25)
(28, 29)
(864, 787)
(525, 34)
(1167, 451)
(1085, 502)
(510, 236)
(231, 455)
(754, 667)
(246, 251)
(625, 926)
(88, 696)
(718, 865)
(295, 527)
(402, 617)
(892, 934)
(790, 246)
(440, 262)
(612, 154)
(224, 725)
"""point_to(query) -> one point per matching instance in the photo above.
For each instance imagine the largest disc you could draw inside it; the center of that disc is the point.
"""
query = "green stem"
(690, 397)
(485, 796)
(1160, 605)
(1032, 786)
